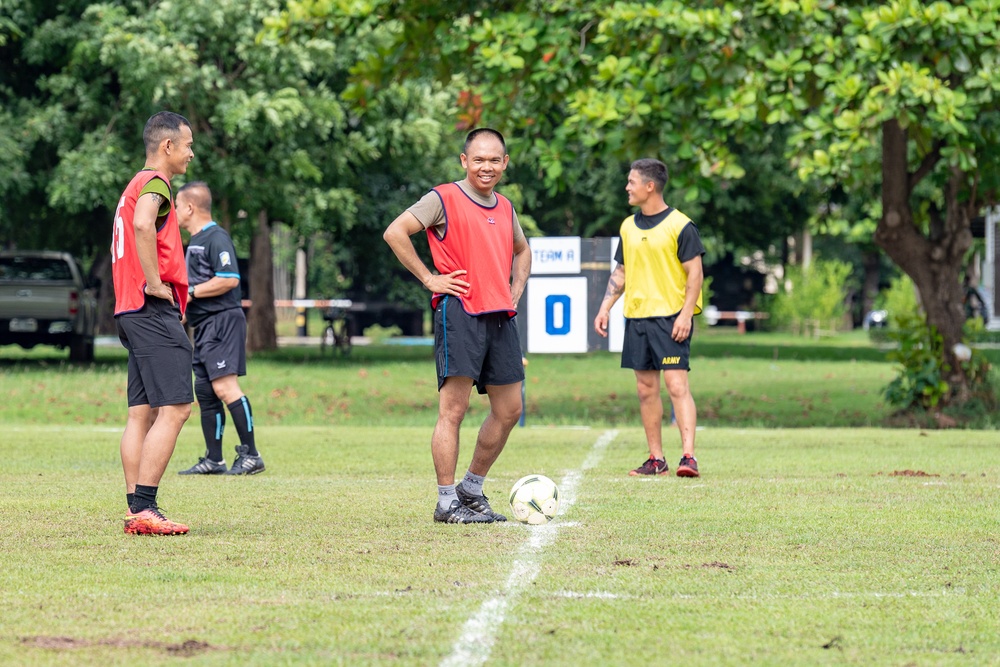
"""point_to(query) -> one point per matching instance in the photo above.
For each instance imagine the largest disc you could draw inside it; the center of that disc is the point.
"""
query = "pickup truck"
(46, 300)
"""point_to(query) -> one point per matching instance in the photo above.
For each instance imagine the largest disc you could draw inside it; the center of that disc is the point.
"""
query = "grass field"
(798, 546)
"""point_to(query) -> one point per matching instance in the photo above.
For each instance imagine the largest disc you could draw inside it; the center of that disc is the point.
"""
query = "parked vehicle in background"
(46, 300)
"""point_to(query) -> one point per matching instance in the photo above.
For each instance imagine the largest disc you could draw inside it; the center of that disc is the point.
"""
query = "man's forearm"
(216, 286)
(615, 288)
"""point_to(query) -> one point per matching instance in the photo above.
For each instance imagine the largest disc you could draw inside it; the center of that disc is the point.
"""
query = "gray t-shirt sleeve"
(428, 210)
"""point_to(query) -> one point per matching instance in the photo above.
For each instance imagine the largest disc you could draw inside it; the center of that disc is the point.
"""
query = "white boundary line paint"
(475, 643)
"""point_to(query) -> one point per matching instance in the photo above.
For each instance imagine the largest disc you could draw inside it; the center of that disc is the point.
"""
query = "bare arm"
(144, 220)
(616, 287)
(398, 234)
(692, 289)
(521, 268)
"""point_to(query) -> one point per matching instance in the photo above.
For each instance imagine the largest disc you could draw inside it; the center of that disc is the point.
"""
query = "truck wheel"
(81, 348)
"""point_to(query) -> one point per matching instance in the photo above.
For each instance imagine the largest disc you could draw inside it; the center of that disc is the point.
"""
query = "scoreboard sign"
(557, 315)
(569, 277)
(555, 255)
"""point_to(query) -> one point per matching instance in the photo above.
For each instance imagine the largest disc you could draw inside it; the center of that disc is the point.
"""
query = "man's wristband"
(191, 291)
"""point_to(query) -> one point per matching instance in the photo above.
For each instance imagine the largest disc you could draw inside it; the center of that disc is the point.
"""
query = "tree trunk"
(934, 263)
(261, 319)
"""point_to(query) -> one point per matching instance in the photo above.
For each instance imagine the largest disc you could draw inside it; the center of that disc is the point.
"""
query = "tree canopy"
(875, 120)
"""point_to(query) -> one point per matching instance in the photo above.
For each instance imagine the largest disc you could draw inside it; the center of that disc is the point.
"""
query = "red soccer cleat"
(151, 521)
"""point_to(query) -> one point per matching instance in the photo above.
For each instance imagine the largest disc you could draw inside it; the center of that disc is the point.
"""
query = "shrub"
(920, 382)
(899, 301)
(379, 334)
(815, 302)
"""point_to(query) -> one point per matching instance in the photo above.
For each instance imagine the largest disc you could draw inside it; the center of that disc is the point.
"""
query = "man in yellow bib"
(661, 249)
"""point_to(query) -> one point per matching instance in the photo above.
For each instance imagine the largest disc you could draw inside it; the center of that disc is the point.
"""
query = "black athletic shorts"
(649, 347)
(486, 348)
(220, 345)
(159, 355)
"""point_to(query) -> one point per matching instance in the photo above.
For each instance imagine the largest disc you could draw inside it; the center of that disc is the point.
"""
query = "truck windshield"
(33, 268)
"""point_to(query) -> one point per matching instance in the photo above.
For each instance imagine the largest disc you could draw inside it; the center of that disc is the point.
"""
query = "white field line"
(475, 643)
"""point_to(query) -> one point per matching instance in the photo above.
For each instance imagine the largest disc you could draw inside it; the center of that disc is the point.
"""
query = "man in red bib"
(482, 261)
(150, 278)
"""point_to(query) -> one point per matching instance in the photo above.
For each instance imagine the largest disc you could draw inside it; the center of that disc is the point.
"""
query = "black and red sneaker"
(688, 467)
(651, 467)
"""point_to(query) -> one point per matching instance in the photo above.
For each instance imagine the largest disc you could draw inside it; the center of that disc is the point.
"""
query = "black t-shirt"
(211, 253)
(689, 243)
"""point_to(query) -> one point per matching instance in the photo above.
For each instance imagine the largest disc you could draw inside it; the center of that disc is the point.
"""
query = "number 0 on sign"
(557, 315)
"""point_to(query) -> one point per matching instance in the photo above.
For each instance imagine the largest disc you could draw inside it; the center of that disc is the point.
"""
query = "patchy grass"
(804, 546)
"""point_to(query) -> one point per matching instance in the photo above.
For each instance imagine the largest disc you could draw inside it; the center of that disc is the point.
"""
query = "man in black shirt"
(220, 331)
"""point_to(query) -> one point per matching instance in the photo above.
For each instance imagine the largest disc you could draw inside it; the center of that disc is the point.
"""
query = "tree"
(279, 135)
(541, 73)
(915, 82)
(896, 98)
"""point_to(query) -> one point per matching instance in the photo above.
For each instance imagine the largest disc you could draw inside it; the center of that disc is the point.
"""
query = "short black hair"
(199, 194)
(160, 126)
(652, 170)
(480, 131)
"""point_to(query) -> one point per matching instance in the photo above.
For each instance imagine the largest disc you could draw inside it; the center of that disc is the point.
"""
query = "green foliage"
(334, 116)
(921, 380)
(918, 349)
(899, 300)
(379, 334)
(813, 300)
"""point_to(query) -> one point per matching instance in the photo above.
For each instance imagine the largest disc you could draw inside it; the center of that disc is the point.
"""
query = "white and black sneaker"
(478, 503)
(205, 466)
(457, 513)
(245, 464)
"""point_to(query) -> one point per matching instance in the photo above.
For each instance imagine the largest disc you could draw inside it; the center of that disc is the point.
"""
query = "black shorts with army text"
(648, 345)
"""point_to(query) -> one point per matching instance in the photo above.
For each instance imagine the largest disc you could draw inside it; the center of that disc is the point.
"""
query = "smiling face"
(638, 188)
(484, 162)
(179, 150)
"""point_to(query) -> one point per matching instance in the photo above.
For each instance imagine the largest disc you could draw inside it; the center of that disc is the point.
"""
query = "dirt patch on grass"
(185, 649)
(719, 565)
(911, 473)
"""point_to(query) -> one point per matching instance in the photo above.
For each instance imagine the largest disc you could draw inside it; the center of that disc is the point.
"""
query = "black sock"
(213, 423)
(129, 500)
(145, 497)
(243, 421)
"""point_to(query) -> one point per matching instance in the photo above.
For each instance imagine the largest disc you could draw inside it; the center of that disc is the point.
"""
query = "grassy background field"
(759, 380)
(820, 545)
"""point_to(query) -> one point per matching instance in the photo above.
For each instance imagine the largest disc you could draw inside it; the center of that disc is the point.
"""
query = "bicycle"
(336, 335)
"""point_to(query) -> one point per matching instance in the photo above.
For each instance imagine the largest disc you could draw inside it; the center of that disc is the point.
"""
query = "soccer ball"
(534, 499)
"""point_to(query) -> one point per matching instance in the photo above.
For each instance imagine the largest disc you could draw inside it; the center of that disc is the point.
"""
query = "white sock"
(473, 483)
(446, 495)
